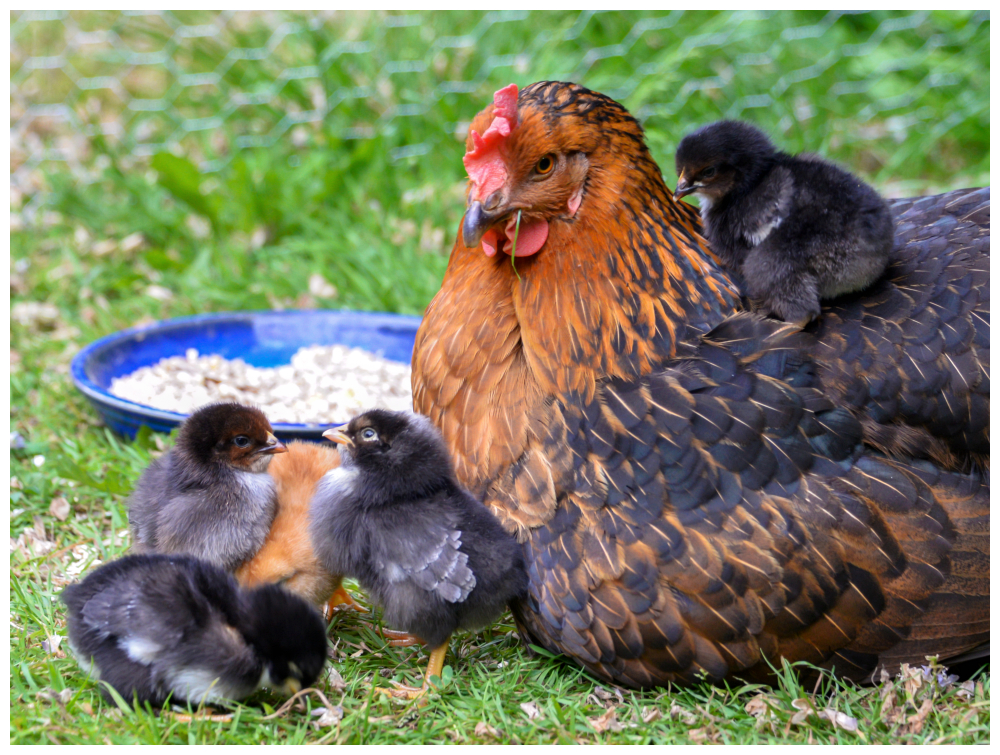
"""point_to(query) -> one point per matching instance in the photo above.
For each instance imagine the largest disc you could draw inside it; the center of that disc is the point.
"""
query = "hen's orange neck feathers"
(611, 292)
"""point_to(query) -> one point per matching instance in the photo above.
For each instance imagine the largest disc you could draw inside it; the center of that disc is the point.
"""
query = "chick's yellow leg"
(434, 667)
(435, 664)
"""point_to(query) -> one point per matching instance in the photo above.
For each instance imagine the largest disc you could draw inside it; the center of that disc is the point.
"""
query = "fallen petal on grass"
(531, 710)
(483, 729)
(59, 508)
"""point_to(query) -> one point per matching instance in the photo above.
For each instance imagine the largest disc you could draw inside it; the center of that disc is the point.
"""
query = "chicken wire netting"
(900, 96)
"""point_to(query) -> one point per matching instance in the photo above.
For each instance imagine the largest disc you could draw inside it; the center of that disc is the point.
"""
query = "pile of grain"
(323, 384)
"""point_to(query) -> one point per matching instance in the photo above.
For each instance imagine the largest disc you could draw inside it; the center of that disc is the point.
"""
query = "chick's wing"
(147, 613)
(425, 550)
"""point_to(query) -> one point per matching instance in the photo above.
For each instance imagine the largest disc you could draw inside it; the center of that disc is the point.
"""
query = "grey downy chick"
(157, 626)
(210, 496)
(424, 549)
(797, 229)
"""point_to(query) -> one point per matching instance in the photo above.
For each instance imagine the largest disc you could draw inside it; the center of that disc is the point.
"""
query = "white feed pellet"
(322, 385)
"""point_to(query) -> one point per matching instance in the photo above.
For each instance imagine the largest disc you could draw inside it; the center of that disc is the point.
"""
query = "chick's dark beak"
(478, 220)
(336, 435)
(274, 446)
(684, 187)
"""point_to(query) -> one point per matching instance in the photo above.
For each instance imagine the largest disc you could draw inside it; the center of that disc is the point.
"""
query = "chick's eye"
(368, 434)
(242, 441)
(708, 173)
(545, 165)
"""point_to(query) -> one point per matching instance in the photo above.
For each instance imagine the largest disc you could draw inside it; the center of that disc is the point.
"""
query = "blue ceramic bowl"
(262, 339)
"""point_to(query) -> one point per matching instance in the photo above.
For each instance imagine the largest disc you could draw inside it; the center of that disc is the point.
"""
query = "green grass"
(378, 227)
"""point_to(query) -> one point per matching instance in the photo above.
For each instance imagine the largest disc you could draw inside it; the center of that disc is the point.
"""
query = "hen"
(700, 491)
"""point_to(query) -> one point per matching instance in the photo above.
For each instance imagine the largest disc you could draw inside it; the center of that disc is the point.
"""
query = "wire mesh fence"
(901, 96)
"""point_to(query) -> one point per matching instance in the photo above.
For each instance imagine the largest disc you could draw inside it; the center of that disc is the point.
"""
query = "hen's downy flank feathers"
(723, 510)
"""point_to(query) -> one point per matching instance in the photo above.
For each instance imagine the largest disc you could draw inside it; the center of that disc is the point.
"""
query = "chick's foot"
(400, 639)
(402, 691)
(341, 600)
(434, 667)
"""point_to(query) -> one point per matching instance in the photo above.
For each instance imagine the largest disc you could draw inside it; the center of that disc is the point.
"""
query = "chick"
(287, 555)
(799, 229)
(210, 496)
(157, 625)
(423, 548)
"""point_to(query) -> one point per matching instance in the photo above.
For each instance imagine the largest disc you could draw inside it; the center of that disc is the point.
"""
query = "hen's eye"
(242, 441)
(708, 173)
(368, 434)
(545, 165)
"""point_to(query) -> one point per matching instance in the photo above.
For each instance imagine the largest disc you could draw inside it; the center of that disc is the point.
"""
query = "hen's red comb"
(504, 121)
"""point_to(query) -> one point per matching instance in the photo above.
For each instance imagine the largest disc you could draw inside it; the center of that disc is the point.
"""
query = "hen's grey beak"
(479, 218)
(474, 225)
(274, 446)
(684, 187)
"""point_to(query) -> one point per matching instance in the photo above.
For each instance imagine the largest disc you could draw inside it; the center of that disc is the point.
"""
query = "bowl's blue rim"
(91, 390)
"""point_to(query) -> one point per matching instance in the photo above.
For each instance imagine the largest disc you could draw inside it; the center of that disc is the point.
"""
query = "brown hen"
(700, 491)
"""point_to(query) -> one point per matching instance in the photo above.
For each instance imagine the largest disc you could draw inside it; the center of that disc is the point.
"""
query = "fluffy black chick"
(798, 229)
(210, 496)
(157, 625)
(393, 516)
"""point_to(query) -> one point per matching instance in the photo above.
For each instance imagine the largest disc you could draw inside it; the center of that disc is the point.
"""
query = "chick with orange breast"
(210, 495)
(287, 555)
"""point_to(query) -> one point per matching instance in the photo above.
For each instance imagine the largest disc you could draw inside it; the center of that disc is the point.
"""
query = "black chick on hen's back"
(798, 229)
(426, 551)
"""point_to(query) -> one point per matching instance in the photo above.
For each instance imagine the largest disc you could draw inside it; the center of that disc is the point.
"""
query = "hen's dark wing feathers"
(725, 509)
(911, 355)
